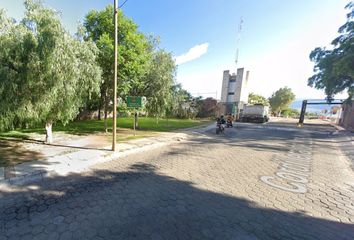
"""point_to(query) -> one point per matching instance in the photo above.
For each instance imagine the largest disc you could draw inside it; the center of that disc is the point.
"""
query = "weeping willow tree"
(46, 74)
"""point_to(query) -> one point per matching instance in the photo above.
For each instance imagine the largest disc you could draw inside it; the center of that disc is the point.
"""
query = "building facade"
(234, 91)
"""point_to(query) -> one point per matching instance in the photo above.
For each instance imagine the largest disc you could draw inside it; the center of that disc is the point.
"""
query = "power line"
(123, 4)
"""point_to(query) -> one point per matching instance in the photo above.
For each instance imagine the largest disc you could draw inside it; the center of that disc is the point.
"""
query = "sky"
(274, 43)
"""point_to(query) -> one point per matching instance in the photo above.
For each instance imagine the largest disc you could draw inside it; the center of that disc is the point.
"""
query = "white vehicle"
(255, 113)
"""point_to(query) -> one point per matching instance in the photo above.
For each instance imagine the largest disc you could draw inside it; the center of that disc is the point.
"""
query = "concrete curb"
(339, 129)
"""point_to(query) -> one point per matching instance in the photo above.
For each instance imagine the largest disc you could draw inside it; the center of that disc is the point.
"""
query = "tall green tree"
(133, 53)
(334, 69)
(182, 104)
(158, 82)
(257, 99)
(281, 99)
(45, 73)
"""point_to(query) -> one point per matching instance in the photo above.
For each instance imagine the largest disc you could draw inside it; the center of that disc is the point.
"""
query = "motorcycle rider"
(222, 119)
(219, 124)
(229, 120)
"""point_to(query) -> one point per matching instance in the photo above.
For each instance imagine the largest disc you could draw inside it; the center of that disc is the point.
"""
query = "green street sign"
(134, 102)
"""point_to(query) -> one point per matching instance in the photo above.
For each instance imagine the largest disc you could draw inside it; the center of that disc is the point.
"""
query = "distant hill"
(310, 108)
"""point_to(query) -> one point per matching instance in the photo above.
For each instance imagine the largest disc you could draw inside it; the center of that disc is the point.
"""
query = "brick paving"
(207, 187)
(346, 144)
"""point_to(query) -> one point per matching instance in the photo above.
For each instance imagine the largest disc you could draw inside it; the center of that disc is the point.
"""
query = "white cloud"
(193, 53)
(286, 63)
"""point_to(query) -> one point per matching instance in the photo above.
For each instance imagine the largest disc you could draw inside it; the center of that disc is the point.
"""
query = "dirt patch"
(12, 153)
(97, 141)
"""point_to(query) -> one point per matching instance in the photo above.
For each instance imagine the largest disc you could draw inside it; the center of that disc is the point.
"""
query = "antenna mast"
(238, 41)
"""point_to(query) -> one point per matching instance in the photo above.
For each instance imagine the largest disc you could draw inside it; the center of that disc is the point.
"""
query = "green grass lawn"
(96, 126)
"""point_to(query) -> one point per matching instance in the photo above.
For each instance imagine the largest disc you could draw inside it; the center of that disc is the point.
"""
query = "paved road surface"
(251, 183)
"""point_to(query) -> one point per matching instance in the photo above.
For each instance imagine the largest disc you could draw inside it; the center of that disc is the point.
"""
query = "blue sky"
(276, 39)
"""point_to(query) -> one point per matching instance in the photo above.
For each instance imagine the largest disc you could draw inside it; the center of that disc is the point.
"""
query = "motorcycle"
(219, 128)
(229, 123)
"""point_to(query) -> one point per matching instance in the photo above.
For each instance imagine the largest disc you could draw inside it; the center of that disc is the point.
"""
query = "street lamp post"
(115, 75)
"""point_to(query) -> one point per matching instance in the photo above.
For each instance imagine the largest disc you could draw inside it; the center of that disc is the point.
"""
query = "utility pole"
(237, 104)
(238, 38)
(115, 75)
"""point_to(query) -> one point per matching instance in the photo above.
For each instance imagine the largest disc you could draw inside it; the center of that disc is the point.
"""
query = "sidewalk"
(345, 142)
(80, 159)
(76, 160)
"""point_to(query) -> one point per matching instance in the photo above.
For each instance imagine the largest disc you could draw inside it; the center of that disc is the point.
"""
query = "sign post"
(134, 102)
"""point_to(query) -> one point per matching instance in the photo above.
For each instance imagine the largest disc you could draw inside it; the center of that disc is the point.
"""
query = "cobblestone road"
(208, 187)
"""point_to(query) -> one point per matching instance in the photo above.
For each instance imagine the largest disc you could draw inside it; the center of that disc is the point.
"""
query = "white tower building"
(234, 92)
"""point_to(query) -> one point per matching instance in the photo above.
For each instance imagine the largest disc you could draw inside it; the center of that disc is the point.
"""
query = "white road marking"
(290, 170)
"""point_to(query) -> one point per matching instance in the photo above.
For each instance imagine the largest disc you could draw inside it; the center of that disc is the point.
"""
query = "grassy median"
(97, 126)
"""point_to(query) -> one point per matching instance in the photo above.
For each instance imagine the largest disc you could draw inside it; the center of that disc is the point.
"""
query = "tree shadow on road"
(141, 203)
(12, 153)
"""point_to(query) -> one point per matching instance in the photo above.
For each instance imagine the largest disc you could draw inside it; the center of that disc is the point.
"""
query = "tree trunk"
(157, 120)
(105, 111)
(136, 120)
(49, 133)
(105, 120)
(102, 101)
(99, 111)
